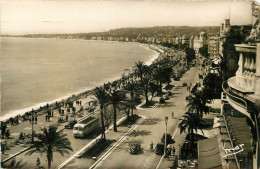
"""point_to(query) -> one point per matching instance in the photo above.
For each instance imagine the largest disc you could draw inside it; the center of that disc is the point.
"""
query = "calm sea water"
(36, 71)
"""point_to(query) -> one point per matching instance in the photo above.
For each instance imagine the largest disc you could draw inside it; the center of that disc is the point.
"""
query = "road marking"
(158, 165)
(86, 146)
(116, 144)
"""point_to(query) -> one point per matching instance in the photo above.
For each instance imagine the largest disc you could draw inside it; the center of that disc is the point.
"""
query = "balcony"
(247, 77)
(235, 100)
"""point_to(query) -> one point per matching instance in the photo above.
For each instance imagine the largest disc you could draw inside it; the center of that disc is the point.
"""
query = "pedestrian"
(7, 134)
(38, 162)
(67, 117)
(80, 102)
(21, 136)
(35, 119)
(51, 113)
(12, 121)
(168, 150)
(172, 114)
(173, 150)
(151, 145)
(46, 117)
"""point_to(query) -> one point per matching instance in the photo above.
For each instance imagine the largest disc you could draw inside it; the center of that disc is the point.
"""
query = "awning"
(208, 153)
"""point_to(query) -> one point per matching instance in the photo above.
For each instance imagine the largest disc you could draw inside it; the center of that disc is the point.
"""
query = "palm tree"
(102, 98)
(140, 69)
(133, 89)
(117, 99)
(198, 103)
(145, 87)
(51, 141)
(191, 121)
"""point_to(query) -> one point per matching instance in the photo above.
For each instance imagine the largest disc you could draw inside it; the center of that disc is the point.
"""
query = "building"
(229, 36)
(185, 40)
(191, 42)
(241, 106)
(178, 40)
(213, 46)
(200, 41)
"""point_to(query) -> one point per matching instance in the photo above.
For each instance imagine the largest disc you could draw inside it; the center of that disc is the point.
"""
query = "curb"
(117, 143)
(77, 154)
(16, 154)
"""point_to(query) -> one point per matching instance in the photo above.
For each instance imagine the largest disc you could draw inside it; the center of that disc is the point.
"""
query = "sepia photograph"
(130, 84)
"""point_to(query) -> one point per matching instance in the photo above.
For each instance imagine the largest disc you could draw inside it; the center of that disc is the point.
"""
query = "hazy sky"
(73, 16)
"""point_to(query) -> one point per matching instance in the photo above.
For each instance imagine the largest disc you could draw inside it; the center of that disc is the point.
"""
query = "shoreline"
(87, 91)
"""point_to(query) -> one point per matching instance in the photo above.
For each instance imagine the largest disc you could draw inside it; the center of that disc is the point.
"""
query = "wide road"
(152, 129)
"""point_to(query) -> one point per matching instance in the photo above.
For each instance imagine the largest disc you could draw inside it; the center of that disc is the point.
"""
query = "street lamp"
(32, 121)
(165, 138)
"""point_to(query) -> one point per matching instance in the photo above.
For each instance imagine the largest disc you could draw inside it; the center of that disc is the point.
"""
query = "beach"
(84, 88)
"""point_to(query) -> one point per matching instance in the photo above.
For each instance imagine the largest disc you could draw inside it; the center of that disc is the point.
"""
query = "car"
(159, 149)
(71, 124)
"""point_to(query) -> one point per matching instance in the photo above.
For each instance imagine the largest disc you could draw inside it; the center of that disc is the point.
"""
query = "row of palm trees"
(150, 80)
(110, 99)
(193, 119)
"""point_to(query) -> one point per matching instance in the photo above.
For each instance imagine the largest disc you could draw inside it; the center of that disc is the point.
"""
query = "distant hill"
(165, 31)
(158, 31)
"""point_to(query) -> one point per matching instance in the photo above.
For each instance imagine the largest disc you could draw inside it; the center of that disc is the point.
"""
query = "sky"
(82, 16)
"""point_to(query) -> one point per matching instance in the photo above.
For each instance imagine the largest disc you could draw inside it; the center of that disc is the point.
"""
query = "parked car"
(159, 149)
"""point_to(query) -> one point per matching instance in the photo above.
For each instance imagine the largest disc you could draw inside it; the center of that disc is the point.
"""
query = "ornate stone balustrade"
(246, 73)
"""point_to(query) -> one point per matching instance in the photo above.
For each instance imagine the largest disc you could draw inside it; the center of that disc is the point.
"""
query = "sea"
(35, 72)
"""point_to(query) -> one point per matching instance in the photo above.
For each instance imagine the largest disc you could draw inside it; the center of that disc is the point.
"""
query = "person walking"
(12, 121)
(67, 117)
(168, 151)
(7, 134)
(151, 145)
(172, 114)
(35, 119)
(173, 151)
(46, 117)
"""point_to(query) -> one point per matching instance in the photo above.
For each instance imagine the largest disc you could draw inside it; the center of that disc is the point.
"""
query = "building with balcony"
(229, 36)
(241, 107)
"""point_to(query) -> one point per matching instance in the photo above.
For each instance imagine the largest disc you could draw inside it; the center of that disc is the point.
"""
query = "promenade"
(151, 129)
(15, 145)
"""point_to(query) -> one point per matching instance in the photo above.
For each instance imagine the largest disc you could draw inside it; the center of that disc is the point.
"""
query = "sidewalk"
(15, 145)
(151, 129)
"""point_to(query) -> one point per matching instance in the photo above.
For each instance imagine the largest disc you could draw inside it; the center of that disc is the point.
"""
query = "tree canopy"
(204, 51)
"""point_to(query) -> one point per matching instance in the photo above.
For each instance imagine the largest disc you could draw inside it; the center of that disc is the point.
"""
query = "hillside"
(159, 31)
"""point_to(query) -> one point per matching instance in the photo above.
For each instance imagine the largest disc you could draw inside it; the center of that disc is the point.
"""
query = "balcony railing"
(237, 100)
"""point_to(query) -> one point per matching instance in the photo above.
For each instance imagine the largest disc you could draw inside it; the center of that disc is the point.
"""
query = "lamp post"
(32, 121)
(165, 138)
